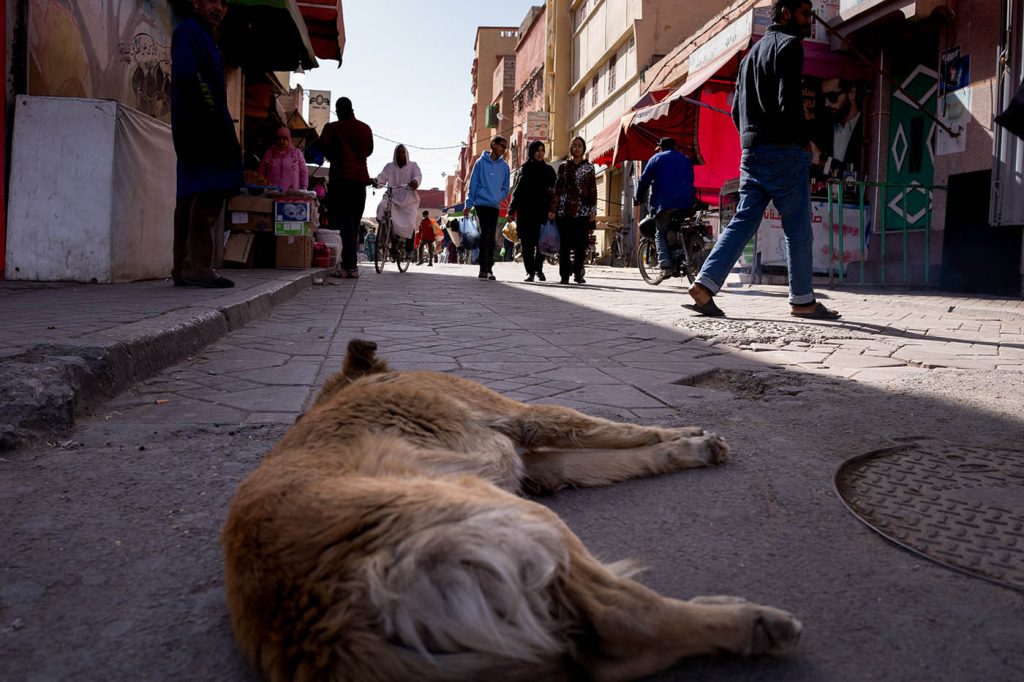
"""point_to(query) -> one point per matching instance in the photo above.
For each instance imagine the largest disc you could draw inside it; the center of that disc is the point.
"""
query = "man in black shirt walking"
(775, 166)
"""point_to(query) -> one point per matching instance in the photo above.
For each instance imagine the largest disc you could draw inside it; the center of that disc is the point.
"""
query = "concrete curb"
(43, 389)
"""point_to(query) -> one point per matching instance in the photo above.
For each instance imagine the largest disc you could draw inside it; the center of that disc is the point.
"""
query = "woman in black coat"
(531, 198)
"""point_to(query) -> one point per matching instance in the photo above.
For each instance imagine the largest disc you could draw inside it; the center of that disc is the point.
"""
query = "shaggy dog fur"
(382, 539)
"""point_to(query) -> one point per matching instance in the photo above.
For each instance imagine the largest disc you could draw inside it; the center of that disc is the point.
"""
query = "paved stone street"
(113, 567)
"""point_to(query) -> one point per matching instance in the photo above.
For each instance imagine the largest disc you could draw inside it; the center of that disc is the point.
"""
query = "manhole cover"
(960, 506)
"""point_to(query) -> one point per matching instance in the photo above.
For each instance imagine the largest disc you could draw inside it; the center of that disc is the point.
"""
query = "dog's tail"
(475, 595)
(360, 360)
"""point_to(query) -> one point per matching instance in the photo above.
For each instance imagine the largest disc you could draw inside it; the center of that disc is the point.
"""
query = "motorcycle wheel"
(695, 257)
(647, 258)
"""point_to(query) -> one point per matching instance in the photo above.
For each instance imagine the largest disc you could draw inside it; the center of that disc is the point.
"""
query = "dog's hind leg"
(633, 632)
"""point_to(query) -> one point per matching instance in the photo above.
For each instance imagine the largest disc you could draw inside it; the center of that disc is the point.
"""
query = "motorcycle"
(689, 241)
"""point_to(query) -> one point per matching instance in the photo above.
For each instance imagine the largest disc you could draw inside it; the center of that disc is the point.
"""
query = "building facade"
(529, 116)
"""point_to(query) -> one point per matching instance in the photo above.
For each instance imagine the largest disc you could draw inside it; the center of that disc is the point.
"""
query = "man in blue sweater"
(488, 186)
(775, 166)
(670, 173)
(209, 156)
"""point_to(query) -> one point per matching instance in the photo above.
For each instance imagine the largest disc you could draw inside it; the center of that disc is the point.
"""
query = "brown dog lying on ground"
(382, 539)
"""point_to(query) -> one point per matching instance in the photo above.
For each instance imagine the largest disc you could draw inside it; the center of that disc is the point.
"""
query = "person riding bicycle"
(402, 176)
(669, 174)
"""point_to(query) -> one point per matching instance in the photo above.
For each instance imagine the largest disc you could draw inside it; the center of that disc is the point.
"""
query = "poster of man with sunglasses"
(838, 145)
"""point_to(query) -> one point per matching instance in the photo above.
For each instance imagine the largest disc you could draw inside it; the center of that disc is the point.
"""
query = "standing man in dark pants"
(775, 165)
(488, 187)
(209, 156)
(347, 143)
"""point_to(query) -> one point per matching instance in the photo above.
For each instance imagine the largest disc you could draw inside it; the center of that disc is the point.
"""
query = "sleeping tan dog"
(382, 539)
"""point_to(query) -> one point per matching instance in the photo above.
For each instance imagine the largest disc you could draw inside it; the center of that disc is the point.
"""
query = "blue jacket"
(671, 174)
(488, 185)
(209, 157)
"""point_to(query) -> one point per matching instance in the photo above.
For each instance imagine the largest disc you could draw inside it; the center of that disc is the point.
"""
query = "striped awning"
(326, 26)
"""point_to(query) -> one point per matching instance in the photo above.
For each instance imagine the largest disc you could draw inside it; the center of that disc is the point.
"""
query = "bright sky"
(407, 71)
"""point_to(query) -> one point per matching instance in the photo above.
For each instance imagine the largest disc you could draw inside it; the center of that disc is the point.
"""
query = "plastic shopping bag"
(470, 232)
(549, 240)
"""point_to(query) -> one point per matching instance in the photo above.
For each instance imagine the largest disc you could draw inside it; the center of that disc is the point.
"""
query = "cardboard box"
(238, 250)
(248, 204)
(248, 221)
(293, 216)
(294, 252)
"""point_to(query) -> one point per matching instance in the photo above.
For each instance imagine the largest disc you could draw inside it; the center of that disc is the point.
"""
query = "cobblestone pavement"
(113, 566)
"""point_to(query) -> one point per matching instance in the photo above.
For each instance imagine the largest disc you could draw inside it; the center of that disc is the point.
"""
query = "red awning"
(642, 129)
(603, 146)
(602, 149)
(326, 26)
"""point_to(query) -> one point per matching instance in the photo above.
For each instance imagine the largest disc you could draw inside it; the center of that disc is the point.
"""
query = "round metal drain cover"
(959, 506)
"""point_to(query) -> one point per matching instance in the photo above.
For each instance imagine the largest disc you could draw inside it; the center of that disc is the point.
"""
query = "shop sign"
(724, 41)
(849, 8)
(538, 125)
(319, 109)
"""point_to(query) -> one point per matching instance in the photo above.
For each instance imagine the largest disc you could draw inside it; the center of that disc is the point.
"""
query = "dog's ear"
(360, 360)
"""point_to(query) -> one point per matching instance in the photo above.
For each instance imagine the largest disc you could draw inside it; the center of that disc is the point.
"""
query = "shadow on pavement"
(114, 565)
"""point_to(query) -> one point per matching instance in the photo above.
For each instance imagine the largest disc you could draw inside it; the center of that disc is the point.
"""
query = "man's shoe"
(565, 280)
(354, 273)
(430, 264)
(482, 275)
(541, 277)
(580, 280)
(208, 282)
(490, 276)
(529, 278)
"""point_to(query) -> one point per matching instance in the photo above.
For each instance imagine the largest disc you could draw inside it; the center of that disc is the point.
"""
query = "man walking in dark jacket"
(775, 165)
(209, 157)
(347, 143)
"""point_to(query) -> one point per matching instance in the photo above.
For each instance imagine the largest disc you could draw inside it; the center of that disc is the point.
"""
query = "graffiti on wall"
(117, 49)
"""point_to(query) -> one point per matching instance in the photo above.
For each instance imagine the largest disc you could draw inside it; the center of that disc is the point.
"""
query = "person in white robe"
(404, 177)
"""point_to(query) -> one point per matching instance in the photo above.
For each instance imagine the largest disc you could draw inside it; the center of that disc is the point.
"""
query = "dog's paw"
(774, 632)
(713, 450)
(693, 451)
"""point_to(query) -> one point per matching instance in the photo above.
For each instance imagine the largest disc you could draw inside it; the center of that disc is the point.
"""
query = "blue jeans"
(780, 174)
(662, 221)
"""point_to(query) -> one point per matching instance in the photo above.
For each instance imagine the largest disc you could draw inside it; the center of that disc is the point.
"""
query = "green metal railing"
(882, 195)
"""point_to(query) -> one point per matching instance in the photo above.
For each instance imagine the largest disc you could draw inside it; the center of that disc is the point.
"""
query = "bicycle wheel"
(401, 256)
(695, 257)
(383, 246)
(647, 258)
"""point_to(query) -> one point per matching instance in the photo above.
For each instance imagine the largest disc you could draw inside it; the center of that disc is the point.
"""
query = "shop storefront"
(91, 193)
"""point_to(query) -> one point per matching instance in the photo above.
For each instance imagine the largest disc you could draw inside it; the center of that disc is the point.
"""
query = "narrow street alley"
(112, 560)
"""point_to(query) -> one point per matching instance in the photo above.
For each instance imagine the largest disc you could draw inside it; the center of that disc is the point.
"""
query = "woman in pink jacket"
(283, 165)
